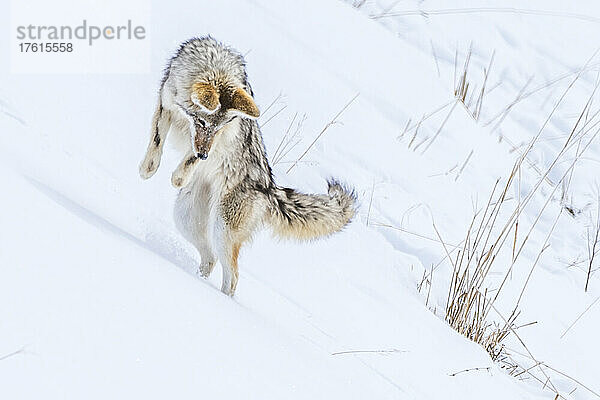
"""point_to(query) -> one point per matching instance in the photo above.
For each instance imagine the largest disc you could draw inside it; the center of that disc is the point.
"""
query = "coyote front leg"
(161, 122)
(182, 175)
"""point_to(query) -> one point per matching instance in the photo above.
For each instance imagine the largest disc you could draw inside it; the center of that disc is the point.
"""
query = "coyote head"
(211, 109)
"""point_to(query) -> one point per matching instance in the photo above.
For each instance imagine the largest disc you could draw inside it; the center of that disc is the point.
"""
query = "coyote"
(226, 188)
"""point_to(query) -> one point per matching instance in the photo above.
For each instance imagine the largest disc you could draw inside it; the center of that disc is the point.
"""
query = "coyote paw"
(180, 178)
(229, 290)
(205, 269)
(228, 286)
(149, 166)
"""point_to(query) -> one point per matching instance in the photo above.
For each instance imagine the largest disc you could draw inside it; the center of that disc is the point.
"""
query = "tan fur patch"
(205, 94)
(242, 101)
(235, 252)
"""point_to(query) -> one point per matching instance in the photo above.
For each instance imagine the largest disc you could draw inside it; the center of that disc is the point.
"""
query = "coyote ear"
(206, 96)
(241, 101)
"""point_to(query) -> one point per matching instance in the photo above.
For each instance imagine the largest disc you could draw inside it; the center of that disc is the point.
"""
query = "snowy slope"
(93, 282)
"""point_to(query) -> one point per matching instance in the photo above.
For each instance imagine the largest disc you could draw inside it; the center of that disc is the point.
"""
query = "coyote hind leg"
(161, 122)
(228, 255)
(228, 243)
(189, 223)
(207, 258)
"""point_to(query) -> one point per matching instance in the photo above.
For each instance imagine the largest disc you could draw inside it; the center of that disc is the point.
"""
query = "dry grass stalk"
(504, 113)
(405, 129)
(477, 111)
(368, 352)
(333, 121)
(522, 95)
(289, 140)
(470, 370)
(370, 203)
(412, 233)
(437, 133)
(266, 110)
(593, 243)
(14, 353)
(437, 65)
(573, 379)
(511, 364)
(463, 166)
(273, 116)
(462, 87)
(487, 10)
(530, 355)
(411, 127)
(416, 133)
(579, 317)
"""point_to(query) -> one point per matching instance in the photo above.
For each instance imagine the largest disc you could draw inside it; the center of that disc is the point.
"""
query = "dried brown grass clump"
(495, 229)
(465, 92)
(468, 300)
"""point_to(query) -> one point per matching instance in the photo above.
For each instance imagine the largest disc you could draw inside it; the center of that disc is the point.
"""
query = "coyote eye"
(201, 122)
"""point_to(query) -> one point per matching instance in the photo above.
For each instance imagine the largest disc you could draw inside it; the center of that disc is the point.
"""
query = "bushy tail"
(308, 216)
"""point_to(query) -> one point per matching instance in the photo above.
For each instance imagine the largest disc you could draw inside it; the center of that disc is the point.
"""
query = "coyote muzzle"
(202, 141)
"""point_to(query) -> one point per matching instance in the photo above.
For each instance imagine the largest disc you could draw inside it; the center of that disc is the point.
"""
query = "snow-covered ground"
(98, 292)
